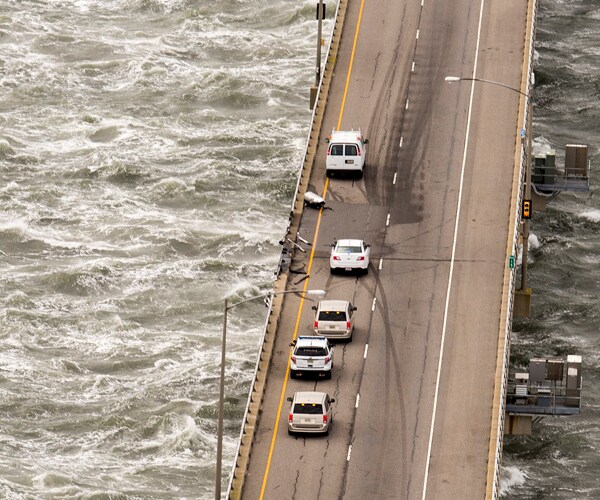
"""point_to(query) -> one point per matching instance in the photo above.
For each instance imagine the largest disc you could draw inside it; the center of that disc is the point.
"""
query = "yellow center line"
(339, 123)
(310, 263)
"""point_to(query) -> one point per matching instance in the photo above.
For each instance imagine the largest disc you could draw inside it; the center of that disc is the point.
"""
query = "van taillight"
(291, 417)
(324, 419)
(328, 150)
(316, 325)
(347, 325)
(358, 150)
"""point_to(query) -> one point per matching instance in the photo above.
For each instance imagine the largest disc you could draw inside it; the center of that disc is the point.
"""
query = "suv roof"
(333, 305)
(310, 341)
(309, 397)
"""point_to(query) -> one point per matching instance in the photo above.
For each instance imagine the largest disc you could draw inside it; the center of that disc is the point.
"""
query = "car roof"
(349, 243)
(333, 305)
(311, 341)
(309, 397)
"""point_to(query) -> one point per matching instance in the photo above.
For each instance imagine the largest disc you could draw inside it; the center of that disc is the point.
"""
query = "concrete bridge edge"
(505, 327)
(257, 390)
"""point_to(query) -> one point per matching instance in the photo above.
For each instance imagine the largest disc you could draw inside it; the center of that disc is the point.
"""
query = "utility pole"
(320, 15)
(315, 88)
(221, 405)
(527, 187)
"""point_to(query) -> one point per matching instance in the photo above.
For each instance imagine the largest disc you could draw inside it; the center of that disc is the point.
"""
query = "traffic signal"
(526, 209)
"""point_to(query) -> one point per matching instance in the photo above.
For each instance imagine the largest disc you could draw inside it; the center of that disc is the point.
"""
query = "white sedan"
(349, 255)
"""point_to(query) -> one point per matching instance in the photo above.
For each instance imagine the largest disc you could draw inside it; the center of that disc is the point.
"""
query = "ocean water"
(561, 459)
(148, 157)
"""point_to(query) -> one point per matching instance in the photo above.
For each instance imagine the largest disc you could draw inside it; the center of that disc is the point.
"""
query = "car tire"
(290, 433)
(328, 173)
(326, 433)
(293, 374)
(328, 375)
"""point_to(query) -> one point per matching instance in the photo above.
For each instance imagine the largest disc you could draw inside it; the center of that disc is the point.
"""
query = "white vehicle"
(334, 319)
(346, 152)
(310, 412)
(311, 355)
(349, 255)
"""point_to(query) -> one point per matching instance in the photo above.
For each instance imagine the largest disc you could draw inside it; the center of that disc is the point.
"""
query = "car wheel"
(293, 374)
(290, 433)
(328, 375)
(332, 270)
(328, 173)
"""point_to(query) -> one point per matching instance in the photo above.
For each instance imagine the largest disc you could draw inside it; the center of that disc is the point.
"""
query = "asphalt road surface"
(414, 390)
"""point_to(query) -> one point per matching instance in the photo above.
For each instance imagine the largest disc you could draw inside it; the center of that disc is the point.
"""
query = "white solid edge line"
(374, 302)
(452, 259)
(412, 70)
(349, 453)
(418, 34)
(357, 400)
(406, 107)
(366, 350)
(402, 138)
(387, 221)
(395, 175)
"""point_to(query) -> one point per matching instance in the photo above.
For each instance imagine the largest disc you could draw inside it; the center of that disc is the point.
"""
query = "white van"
(346, 152)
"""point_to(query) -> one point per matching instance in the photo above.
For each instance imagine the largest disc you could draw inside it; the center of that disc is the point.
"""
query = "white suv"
(334, 319)
(310, 412)
(311, 355)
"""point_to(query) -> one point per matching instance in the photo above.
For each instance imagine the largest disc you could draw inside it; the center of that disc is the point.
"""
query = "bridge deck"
(415, 411)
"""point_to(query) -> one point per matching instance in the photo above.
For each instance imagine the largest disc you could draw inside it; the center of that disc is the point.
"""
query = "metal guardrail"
(552, 180)
(533, 399)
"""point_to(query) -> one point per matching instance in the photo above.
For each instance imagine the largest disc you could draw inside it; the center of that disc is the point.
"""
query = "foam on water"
(560, 458)
(149, 151)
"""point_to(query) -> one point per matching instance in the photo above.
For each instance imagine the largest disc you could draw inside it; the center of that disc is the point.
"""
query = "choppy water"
(148, 157)
(562, 457)
(148, 154)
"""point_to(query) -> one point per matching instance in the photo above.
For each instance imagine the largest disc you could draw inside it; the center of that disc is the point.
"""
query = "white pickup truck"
(346, 152)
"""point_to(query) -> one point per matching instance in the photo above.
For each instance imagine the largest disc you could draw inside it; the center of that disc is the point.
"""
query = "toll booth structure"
(548, 180)
(550, 387)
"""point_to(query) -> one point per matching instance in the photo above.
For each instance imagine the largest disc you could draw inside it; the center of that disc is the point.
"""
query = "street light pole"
(226, 308)
(221, 406)
(319, 35)
(527, 161)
